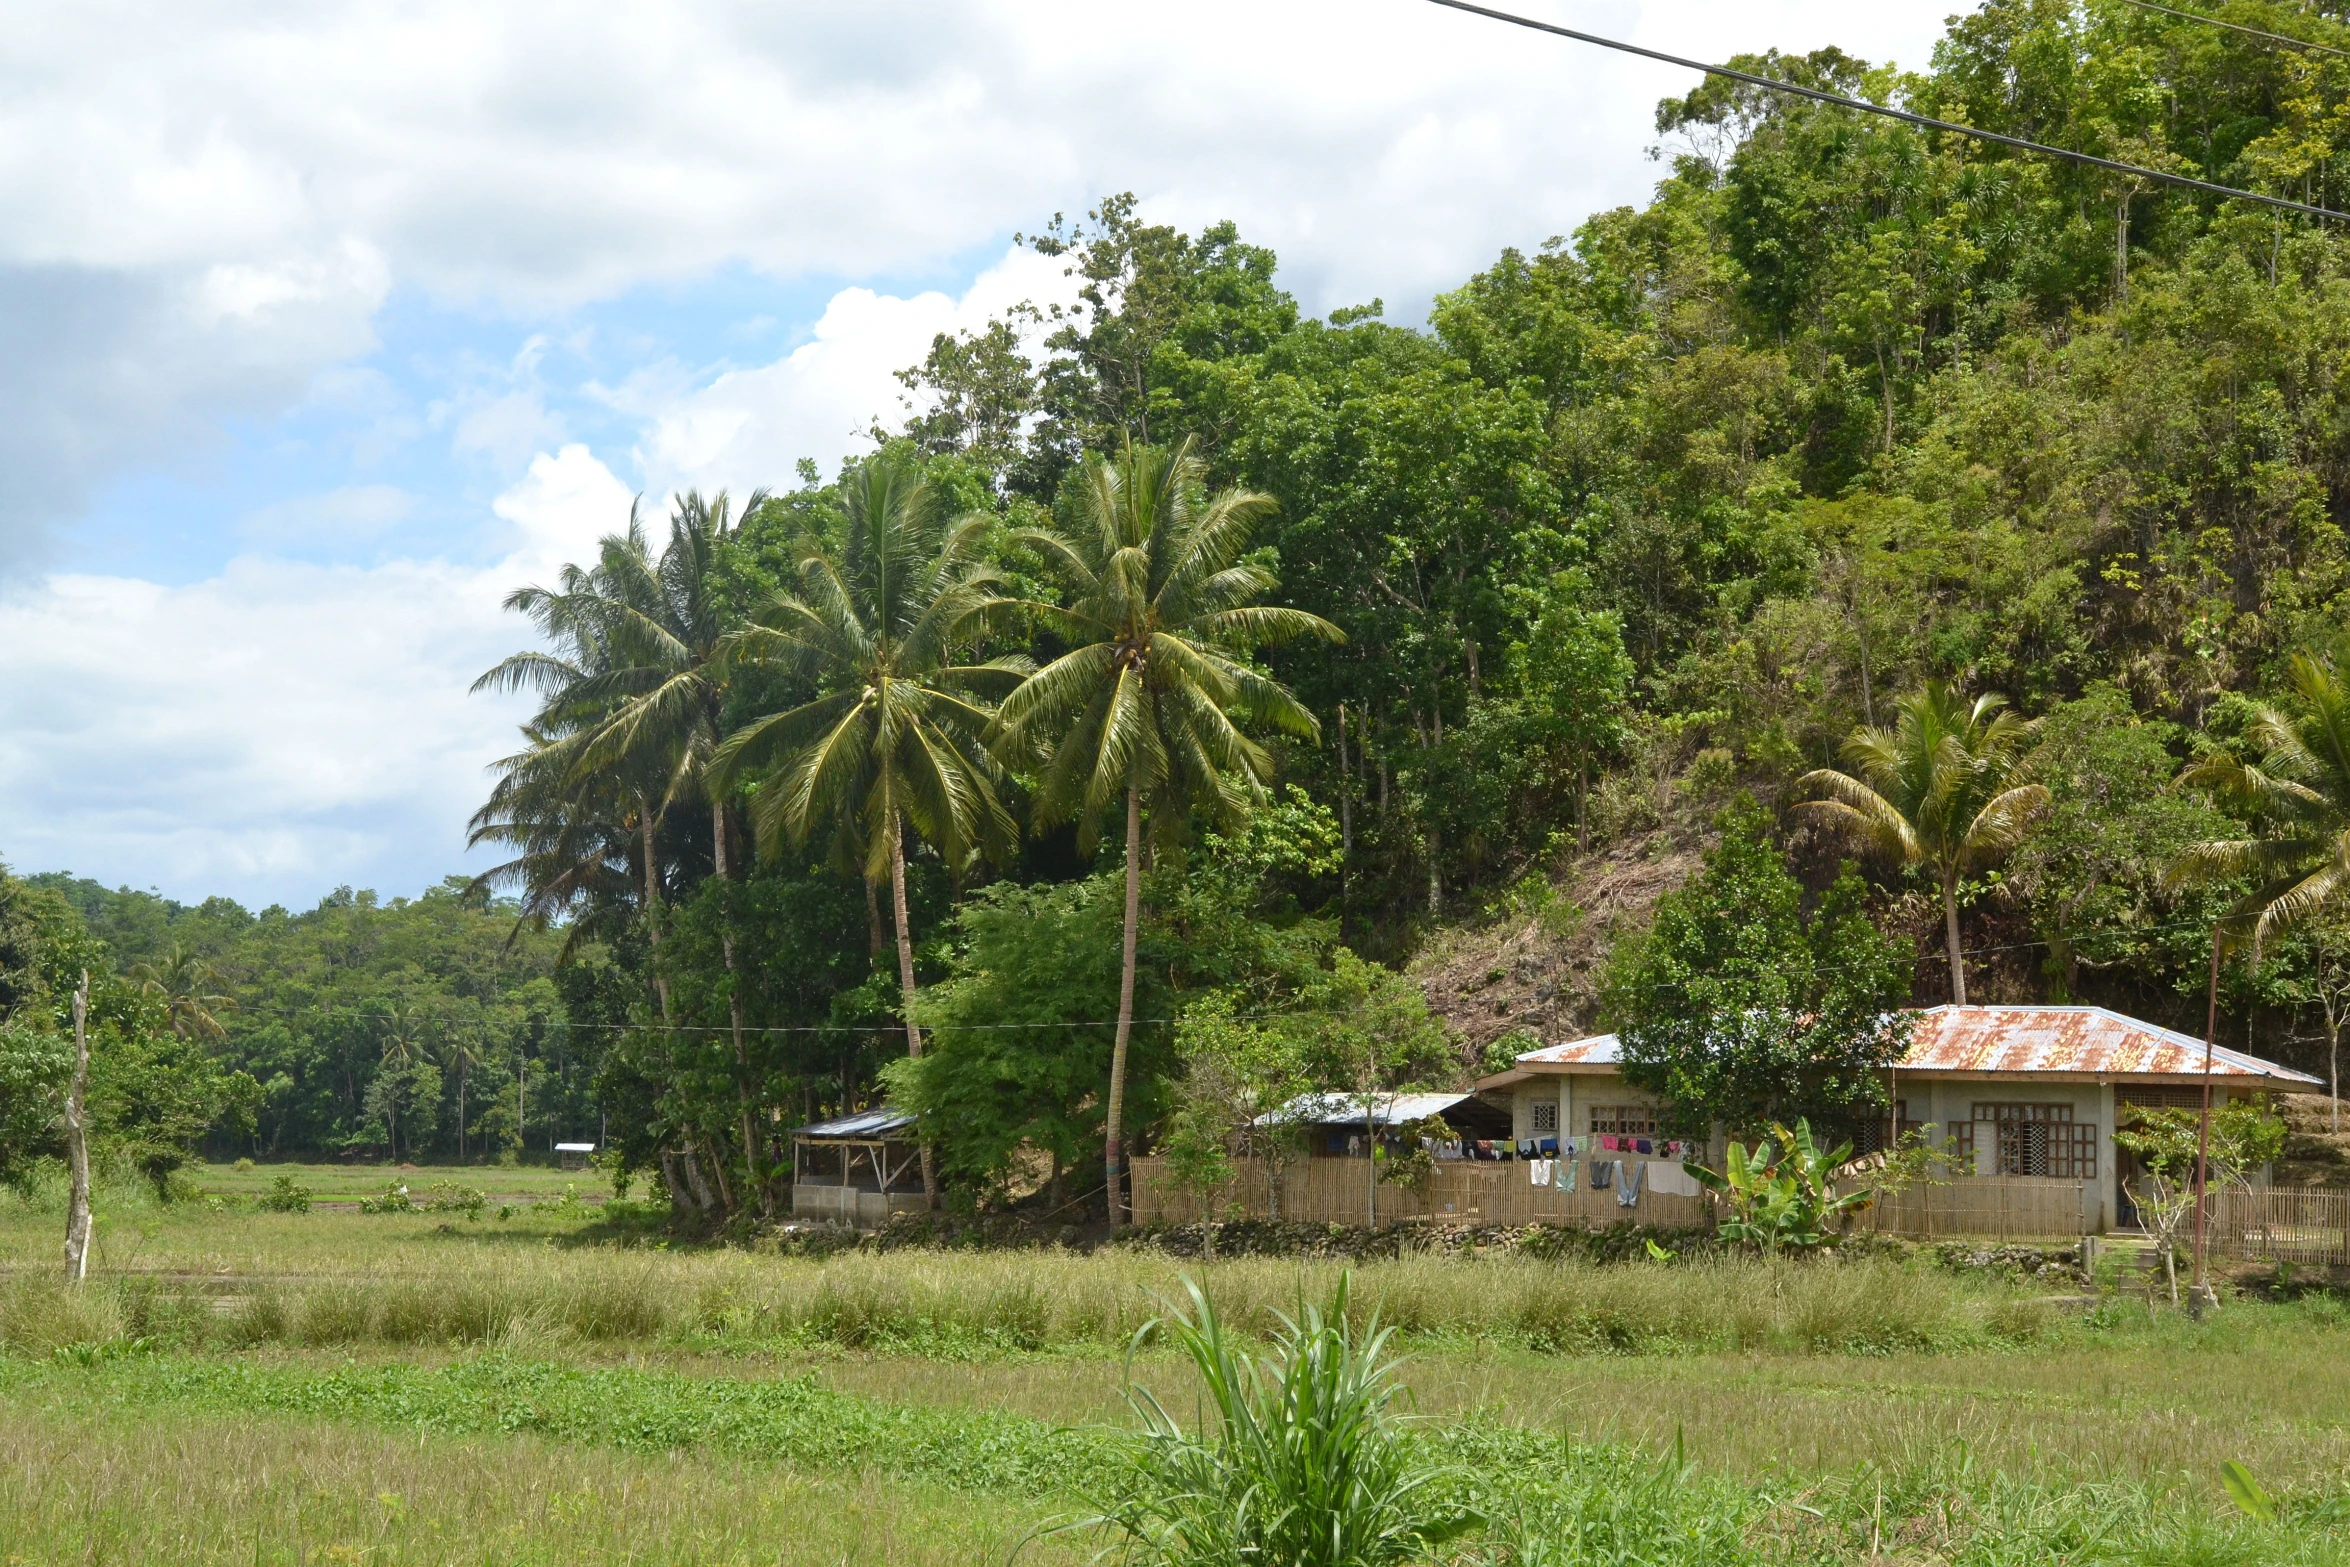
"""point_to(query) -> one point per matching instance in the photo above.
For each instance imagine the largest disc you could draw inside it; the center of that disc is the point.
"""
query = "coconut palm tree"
(1936, 791)
(189, 989)
(2300, 794)
(1144, 710)
(635, 705)
(403, 1037)
(882, 626)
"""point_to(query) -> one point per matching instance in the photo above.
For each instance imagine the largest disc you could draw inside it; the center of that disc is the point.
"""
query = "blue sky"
(323, 326)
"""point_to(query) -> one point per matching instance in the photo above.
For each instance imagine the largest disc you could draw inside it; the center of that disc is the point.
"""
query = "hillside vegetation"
(1499, 612)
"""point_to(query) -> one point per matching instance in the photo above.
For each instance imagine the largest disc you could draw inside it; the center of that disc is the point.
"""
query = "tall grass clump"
(1297, 1459)
(958, 1304)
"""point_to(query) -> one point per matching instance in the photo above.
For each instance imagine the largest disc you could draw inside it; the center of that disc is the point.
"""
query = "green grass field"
(559, 1386)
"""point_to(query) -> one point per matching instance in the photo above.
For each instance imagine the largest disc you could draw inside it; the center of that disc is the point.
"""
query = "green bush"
(284, 1196)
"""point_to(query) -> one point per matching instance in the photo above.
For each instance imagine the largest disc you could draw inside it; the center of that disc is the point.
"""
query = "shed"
(1336, 1120)
(575, 1156)
(857, 1169)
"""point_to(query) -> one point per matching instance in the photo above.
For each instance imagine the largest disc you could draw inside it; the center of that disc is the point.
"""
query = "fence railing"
(2297, 1224)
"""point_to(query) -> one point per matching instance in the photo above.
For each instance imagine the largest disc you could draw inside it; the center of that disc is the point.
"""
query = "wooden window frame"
(1623, 1121)
(2040, 1140)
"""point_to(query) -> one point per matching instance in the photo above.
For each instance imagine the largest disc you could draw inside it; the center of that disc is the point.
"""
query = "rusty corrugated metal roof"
(1598, 1050)
(2085, 1041)
(2082, 1041)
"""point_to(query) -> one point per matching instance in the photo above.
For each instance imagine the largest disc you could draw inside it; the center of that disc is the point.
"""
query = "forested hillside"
(1644, 518)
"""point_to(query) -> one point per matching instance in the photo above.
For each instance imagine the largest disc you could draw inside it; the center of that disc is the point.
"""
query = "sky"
(323, 325)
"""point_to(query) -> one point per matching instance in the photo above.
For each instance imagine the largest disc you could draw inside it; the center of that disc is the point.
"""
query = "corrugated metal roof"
(1390, 1110)
(1598, 1050)
(865, 1123)
(2084, 1041)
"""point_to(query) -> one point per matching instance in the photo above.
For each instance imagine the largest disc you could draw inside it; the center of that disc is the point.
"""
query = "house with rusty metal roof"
(2022, 1091)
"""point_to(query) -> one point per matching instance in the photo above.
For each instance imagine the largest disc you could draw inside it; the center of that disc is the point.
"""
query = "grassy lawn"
(332, 1386)
(350, 1182)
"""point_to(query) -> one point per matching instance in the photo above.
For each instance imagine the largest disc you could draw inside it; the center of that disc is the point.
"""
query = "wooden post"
(2198, 1293)
(77, 1142)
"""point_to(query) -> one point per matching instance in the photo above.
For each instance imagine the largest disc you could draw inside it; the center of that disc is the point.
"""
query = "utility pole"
(77, 1142)
(2199, 1292)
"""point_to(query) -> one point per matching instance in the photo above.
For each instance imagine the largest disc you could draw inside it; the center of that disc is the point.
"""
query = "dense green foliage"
(1666, 508)
(153, 1092)
(360, 1015)
(1737, 1010)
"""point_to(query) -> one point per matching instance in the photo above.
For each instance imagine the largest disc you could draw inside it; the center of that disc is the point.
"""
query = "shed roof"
(2076, 1042)
(865, 1124)
(1386, 1110)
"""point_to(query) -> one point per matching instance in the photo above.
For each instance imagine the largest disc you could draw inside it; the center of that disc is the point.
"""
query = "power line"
(1927, 122)
(2237, 27)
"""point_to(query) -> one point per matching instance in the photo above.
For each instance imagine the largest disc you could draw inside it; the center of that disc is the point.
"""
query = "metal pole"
(2197, 1291)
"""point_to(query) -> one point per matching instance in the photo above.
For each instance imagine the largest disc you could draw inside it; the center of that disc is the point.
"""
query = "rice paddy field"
(544, 1379)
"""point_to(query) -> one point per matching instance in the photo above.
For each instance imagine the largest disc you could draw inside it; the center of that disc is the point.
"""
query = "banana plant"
(1782, 1196)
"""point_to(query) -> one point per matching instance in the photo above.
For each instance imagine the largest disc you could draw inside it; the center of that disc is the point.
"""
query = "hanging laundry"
(1628, 1189)
(1538, 1172)
(1603, 1172)
(1670, 1180)
(1549, 1146)
(1562, 1175)
(1643, 1145)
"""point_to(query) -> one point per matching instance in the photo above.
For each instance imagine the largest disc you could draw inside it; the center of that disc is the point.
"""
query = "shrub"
(284, 1196)
(393, 1198)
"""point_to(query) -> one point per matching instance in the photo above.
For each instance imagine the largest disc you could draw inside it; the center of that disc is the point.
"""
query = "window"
(1624, 1120)
(2169, 1098)
(1546, 1118)
(2042, 1140)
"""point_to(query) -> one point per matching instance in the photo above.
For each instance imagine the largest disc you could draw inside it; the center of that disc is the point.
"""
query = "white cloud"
(203, 209)
(282, 727)
(749, 426)
(106, 369)
(168, 172)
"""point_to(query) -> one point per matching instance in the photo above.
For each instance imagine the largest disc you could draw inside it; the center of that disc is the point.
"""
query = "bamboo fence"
(1338, 1191)
(2296, 1224)
(2004, 1207)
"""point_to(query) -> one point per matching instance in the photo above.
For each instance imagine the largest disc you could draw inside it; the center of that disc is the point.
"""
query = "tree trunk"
(1346, 804)
(653, 903)
(1582, 796)
(77, 1143)
(734, 1010)
(1113, 1128)
(1950, 940)
(1435, 874)
(460, 1109)
(897, 909)
(872, 920)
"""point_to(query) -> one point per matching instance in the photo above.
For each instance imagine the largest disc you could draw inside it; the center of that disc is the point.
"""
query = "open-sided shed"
(858, 1169)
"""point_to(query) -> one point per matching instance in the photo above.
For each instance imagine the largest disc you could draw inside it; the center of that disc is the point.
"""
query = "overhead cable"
(1886, 111)
(2237, 27)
